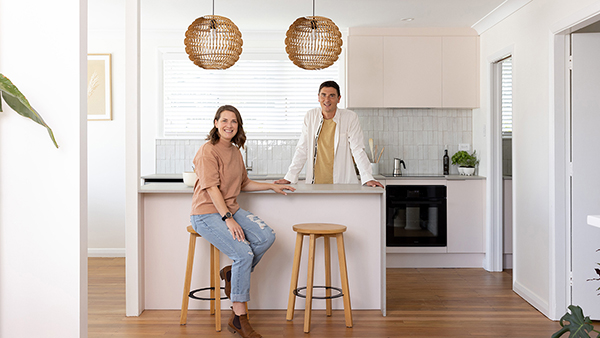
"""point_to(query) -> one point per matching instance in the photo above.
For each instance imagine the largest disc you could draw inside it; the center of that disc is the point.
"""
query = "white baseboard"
(531, 298)
(106, 252)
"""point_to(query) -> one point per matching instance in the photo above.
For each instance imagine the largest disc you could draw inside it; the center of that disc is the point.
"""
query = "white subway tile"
(160, 166)
(160, 152)
(180, 166)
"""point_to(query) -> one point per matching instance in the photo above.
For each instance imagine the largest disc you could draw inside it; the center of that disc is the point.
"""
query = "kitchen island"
(165, 213)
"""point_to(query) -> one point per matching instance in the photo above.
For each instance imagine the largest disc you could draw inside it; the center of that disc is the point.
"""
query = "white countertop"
(276, 177)
(594, 220)
(424, 177)
(301, 188)
(163, 188)
(269, 177)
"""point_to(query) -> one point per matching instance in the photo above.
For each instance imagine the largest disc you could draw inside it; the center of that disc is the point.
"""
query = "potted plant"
(466, 162)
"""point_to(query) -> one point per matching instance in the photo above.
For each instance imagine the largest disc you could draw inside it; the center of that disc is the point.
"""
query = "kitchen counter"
(175, 178)
(301, 188)
(165, 178)
(425, 177)
(165, 209)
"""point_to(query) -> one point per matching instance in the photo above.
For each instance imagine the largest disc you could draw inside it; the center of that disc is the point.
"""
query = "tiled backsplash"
(175, 156)
(417, 136)
(265, 157)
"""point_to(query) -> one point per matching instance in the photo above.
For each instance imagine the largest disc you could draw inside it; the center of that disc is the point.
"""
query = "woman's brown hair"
(240, 137)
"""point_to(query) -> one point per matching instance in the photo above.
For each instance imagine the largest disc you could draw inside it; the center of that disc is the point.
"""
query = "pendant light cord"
(313, 7)
(213, 13)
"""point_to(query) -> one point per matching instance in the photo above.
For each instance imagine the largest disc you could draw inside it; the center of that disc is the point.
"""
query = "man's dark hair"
(330, 84)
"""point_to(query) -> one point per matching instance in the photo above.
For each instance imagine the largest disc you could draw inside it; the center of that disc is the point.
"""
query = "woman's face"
(227, 125)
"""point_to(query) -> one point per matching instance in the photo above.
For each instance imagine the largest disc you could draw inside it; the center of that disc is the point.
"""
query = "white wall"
(529, 31)
(106, 139)
(43, 196)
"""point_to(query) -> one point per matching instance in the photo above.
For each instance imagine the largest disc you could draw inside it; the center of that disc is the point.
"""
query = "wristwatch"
(227, 215)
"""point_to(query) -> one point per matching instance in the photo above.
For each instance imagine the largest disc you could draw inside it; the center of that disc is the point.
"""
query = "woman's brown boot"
(241, 326)
(226, 276)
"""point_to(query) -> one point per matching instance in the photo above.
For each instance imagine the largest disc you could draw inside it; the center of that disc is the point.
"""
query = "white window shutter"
(271, 95)
(507, 112)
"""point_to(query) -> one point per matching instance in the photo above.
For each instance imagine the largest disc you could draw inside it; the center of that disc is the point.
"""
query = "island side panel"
(359, 212)
(167, 215)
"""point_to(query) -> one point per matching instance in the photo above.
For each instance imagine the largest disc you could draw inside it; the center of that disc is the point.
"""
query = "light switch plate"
(464, 146)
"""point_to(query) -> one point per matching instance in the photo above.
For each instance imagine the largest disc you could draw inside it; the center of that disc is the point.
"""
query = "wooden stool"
(315, 230)
(215, 283)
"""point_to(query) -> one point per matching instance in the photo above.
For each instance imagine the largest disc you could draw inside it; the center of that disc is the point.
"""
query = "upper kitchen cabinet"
(460, 71)
(365, 84)
(413, 68)
(412, 71)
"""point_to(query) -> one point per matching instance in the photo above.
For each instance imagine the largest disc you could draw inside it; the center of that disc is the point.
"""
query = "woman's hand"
(235, 229)
(280, 188)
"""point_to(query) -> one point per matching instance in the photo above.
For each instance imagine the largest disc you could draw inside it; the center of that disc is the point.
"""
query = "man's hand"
(374, 183)
(282, 181)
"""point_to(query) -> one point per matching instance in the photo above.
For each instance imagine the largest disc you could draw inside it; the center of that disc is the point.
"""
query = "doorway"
(585, 186)
(499, 242)
(564, 149)
(505, 109)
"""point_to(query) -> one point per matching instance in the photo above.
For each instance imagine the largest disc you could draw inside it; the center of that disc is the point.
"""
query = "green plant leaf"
(17, 101)
(578, 327)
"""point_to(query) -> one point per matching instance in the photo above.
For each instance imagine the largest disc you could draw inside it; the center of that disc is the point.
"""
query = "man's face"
(329, 98)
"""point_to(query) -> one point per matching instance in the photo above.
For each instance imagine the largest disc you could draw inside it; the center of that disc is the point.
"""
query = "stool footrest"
(192, 293)
(298, 294)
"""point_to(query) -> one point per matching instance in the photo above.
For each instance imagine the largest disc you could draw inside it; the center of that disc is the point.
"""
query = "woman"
(218, 218)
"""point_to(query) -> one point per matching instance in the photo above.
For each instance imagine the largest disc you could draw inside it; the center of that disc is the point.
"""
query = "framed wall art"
(99, 100)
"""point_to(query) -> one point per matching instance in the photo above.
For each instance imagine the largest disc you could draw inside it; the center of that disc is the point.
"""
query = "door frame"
(560, 156)
(494, 257)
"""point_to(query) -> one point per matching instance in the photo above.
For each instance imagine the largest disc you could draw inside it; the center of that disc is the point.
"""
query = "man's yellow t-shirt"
(325, 147)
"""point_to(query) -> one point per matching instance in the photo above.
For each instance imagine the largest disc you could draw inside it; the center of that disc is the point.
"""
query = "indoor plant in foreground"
(466, 162)
(17, 101)
(579, 326)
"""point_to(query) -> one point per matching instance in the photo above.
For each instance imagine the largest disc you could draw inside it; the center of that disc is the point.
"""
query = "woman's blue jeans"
(245, 254)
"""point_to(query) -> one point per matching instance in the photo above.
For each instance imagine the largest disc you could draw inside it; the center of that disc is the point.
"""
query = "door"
(585, 182)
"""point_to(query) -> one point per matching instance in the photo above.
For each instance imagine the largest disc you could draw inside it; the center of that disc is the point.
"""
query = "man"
(330, 137)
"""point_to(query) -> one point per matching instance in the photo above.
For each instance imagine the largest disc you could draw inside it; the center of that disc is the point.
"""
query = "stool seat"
(314, 231)
(319, 228)
(191, 230)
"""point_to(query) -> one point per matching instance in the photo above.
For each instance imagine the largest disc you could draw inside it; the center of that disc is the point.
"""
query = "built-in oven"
(416, 215)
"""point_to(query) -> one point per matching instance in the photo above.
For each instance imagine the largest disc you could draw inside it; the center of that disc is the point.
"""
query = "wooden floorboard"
(421, 303)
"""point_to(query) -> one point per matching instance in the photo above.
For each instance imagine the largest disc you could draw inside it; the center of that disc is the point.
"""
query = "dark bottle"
(446, 163)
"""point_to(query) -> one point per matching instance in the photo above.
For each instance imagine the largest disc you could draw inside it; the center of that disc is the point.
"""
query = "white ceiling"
(269, 15)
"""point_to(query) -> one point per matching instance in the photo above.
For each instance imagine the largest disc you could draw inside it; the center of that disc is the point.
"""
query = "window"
(271, 93)
(506, 92)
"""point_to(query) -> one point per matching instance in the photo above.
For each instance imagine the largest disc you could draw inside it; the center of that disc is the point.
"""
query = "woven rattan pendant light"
(213, 42)
(313, 42)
